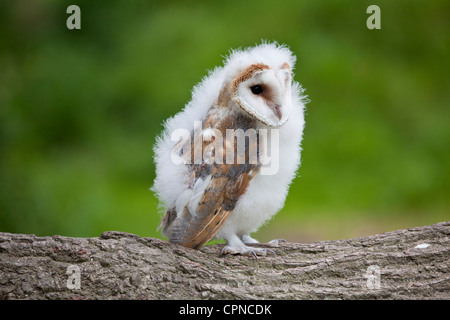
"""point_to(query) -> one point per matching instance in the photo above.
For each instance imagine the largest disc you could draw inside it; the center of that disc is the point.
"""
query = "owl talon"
(255, 252)
(228, 250)
(250, 253)
(246, 251)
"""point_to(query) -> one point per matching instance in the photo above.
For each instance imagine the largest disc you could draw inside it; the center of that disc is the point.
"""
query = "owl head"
(261, 83)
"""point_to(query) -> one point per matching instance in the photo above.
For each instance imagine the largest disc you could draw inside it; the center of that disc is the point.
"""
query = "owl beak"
(276, 108)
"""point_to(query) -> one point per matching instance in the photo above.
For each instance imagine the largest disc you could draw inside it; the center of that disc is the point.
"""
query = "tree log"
(404, 264)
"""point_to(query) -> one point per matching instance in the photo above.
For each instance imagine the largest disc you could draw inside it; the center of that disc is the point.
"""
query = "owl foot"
(245, 251)
(245, 247)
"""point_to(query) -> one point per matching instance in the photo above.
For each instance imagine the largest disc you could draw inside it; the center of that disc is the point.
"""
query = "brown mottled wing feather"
(167, 220)
(227, 184)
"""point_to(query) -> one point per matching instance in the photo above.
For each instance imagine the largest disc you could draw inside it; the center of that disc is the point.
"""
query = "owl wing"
(214, 191)
(226, 185)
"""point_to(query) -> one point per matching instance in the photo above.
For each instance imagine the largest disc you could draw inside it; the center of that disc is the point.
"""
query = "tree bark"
(404, 264)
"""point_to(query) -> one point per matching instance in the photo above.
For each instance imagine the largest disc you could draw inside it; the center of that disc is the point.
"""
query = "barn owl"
(210, 184)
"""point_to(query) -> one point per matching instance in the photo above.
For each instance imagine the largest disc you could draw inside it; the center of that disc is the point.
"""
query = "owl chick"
(225, 162)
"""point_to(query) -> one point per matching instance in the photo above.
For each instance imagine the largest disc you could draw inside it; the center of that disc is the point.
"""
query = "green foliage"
(80, 109)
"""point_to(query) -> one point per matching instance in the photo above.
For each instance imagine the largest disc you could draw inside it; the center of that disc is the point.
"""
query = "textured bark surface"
(405, 264)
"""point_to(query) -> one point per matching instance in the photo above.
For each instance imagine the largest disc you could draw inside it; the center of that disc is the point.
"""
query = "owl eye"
(257, 89)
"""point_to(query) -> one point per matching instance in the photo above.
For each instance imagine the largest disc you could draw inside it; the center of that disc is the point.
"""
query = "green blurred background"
(80, 110)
